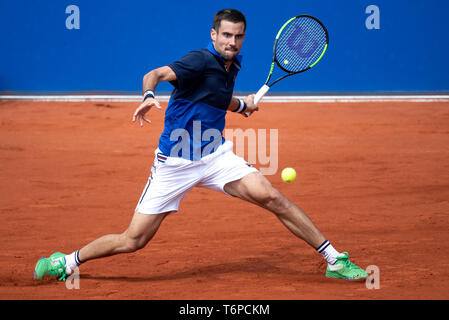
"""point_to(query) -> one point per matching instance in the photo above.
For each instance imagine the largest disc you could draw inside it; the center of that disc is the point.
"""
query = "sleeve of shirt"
(188, 69)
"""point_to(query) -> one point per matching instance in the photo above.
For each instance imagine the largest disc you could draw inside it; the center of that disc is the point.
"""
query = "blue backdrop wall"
(117, 42)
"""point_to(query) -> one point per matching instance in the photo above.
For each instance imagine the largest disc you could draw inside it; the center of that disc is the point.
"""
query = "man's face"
(229, 38)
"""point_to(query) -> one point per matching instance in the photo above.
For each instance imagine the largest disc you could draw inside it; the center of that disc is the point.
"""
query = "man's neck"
(228, 64)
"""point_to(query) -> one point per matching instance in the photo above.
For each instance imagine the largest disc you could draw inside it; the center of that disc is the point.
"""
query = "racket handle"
(259, 95)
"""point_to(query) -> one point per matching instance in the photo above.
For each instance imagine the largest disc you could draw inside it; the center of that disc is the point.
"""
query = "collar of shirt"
(237, 60)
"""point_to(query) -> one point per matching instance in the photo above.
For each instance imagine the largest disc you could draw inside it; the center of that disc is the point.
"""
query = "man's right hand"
(143, 109)
(250, 106)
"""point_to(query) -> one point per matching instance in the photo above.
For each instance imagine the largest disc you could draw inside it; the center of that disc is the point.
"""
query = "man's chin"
(229, 57)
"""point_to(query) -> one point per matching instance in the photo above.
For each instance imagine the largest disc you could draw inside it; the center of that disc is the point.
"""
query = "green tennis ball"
(285, 61)
(288, 175)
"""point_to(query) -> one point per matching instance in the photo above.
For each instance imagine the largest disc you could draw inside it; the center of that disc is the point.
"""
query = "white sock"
(72, 261)
(328, 252)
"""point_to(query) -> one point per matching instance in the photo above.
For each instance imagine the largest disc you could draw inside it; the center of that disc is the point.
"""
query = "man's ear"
(213, 35)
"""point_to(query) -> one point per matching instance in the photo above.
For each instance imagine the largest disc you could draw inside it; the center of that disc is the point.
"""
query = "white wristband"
(148, 93)
(242, 106)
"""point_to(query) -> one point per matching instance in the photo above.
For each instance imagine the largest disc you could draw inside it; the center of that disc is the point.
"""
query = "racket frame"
(275, 61)
(264, 89)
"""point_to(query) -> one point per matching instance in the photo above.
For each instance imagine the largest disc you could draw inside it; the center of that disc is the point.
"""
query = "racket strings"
(300, 44)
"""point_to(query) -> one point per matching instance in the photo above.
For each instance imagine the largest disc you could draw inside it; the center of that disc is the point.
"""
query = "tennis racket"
(299, 45)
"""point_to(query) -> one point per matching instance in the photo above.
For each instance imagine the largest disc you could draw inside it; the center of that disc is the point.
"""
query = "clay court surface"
(374, 177)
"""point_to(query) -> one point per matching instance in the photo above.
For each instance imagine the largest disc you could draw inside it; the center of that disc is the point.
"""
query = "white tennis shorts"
(172, 178)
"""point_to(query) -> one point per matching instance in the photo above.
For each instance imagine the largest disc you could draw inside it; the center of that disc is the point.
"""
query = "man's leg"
(140, 231)
(257, 189)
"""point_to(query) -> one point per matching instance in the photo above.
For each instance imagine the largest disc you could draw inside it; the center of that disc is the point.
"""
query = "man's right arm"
(150, 82)
(152, 78)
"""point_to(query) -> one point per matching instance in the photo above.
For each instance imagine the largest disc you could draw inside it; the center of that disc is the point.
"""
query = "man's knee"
(141, 230)
(132, 244)
(272, 199)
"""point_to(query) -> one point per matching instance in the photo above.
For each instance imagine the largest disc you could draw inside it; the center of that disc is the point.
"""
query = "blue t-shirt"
(195, 115)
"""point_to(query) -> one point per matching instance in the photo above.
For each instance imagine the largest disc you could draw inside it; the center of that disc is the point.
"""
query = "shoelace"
(348, 264)
(63, 276)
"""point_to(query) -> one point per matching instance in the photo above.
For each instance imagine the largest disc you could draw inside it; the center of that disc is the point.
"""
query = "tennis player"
(193, 153)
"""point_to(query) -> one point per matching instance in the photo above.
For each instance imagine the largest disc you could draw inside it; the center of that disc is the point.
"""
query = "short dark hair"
(231, 15)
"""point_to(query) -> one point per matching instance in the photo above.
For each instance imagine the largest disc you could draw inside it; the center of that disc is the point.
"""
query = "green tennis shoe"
(345, 269)
(54, 266)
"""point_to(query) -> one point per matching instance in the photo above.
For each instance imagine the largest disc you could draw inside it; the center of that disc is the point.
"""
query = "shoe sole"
(339, 276)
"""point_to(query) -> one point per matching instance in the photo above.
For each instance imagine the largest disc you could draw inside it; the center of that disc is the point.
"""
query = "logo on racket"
(302, 43)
